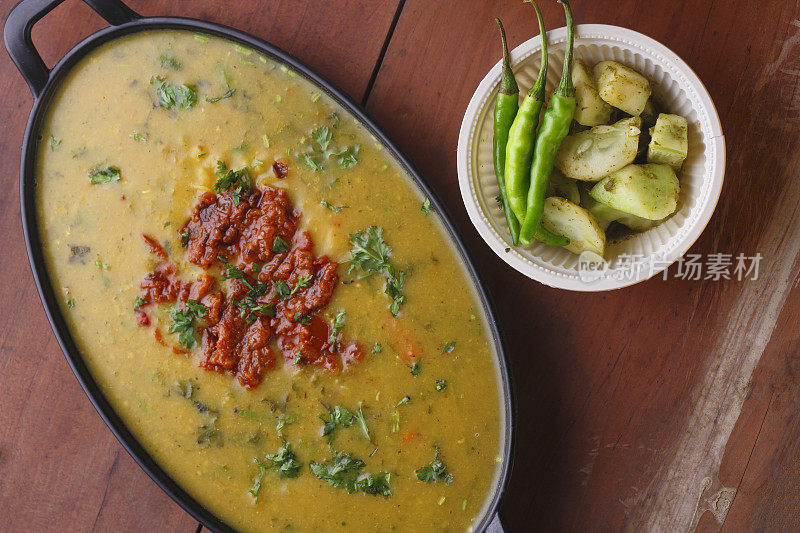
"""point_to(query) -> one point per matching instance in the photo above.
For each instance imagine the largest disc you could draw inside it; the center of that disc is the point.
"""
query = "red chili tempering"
(237, 341)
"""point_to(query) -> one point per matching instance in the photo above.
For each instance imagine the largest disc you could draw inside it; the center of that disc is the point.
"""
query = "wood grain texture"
(668, 405)
(60, 468)
(628, 400)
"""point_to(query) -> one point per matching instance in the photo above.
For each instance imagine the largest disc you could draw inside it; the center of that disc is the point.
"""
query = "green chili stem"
(565, 86)
(508, 84)
(537, 91)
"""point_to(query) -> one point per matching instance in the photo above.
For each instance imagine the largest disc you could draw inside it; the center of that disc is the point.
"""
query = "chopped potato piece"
(563, 187)
(563, 217)
(669, 142)
(591, 110)
(622, 87)
(648, 191)
(593, 154)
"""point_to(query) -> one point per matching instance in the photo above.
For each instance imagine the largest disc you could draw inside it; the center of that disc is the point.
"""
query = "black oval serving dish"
(43, 83)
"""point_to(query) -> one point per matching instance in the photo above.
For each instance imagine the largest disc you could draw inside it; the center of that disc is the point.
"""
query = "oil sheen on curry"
(265, 298)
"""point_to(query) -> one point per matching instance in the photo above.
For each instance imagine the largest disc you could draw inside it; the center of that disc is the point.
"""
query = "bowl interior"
(678, 91)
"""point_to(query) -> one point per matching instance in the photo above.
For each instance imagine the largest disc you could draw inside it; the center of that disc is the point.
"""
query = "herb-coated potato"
(669, 142)
(605, 215)
(593, 154)
(563, 217)
(622, 87)
(564, 187)
(648, 191)
(591, 110)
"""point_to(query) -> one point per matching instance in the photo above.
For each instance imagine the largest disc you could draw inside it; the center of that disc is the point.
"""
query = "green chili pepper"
(554, 127)
(505, 109)
(522, 135)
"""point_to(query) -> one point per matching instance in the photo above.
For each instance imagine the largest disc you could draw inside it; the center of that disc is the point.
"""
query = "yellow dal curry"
(131, 139)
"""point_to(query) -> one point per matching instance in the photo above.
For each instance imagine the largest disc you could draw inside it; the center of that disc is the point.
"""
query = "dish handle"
(495, 525)
(17, 34)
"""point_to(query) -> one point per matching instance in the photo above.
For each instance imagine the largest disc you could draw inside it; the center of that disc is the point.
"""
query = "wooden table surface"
(667, 406)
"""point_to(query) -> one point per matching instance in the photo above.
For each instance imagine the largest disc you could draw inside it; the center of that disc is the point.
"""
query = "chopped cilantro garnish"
(449, 347)
(416, 369)
(54, 143)
(183, 322)
(336, 325)
(404, 401)
(169, 61)
(226, 94)
(105, 174)
(262, 471)
(302, 318)
(348, 156)
(101, 265)
(185, 236)
(284, 461)
(441, 385)
(435, 472)
(70, 303)
(344, 471)
(169, 95)
(236, 181)
(377, 348)
(334, 208)
(279, 246)
(371, 254)
(138, 302)
(426, 206)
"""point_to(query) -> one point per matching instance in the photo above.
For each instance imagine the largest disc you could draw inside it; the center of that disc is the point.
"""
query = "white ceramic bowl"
(641, 255)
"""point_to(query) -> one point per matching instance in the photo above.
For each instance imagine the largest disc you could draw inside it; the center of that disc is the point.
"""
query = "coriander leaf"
(54, 143)
(363, 423)
(449, 347)
(138, 302)
(302, 283)
(237, 182)
(185, 237)
(334, 208)
(302, 318)
(313, 162)
(348, 156)
(441, 385)
(322, 136)
(339, 417)
(136, 136)
(285, 462)
(262, 471)
(169, 95)
(426, 206)
(169, 61)
(435, 472)
(101, 265)
(377, 348)
(226, 94)
(105, 174)
(369, 251)
(344, 471)
(253, 415)
(374, 484)
(404, 401)
(394, 289)
(336, 325)
(339, 471)
(183, 322)
(70, 303)
(283, 421)
(281, 287)
(416, 369)
(279, 246)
